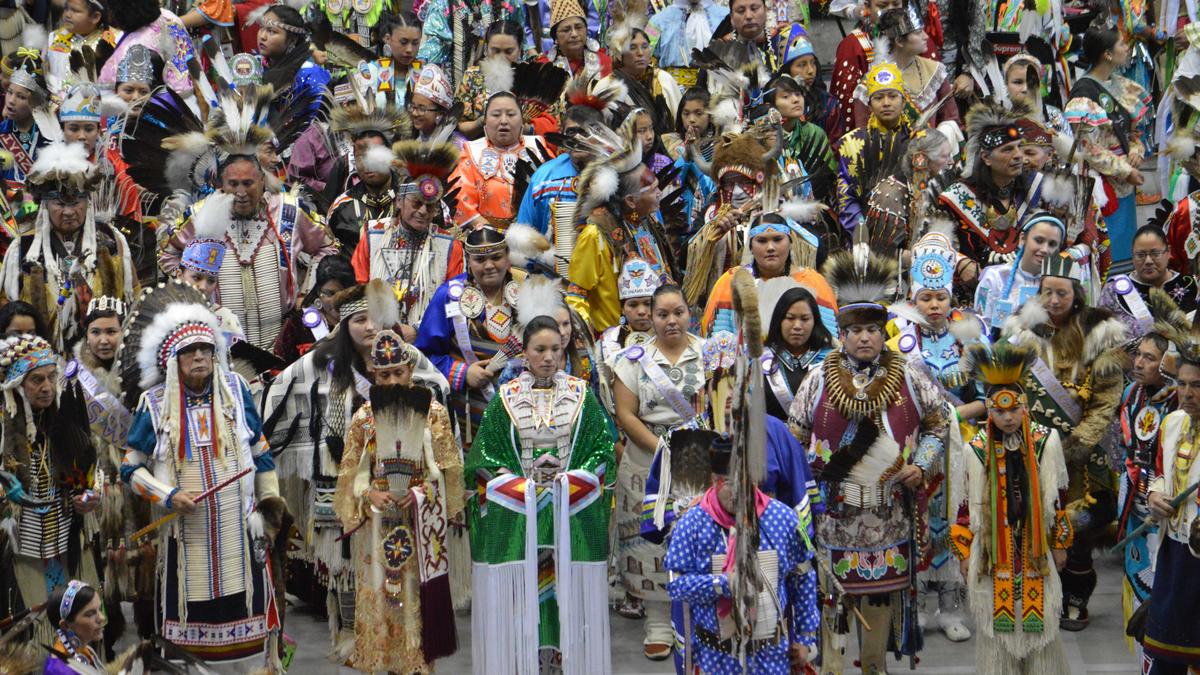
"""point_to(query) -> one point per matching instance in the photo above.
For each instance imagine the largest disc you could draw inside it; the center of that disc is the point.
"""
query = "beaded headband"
(348, 309)
(1006, 399)
(68, 599)
(487, 247)
(185, 335)
(994, 137)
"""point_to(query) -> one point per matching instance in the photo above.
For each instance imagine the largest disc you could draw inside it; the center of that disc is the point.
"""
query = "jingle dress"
(542, 472)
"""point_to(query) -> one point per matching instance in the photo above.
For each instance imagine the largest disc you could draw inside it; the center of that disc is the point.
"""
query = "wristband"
(167, 501)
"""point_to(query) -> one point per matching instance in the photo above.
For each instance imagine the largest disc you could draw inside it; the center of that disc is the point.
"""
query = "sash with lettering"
(1133, 301)
(668, 391)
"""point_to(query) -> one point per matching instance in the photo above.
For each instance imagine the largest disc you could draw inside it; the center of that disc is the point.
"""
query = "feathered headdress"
(539, 296)
(62, 169)
(603, 95)
(991, 124)
(628, 16)
(427, 166)
(864, 284)
(616, 153)
(1000, 365)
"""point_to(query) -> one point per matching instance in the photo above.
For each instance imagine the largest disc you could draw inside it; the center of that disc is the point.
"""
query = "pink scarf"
(712, 506)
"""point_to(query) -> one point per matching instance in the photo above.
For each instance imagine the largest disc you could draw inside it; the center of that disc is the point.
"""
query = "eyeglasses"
(1156, 253)
(417, 204)
(424, 110)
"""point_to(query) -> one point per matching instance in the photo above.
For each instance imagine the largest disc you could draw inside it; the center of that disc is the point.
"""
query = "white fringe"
(503, 622)
(458, 544)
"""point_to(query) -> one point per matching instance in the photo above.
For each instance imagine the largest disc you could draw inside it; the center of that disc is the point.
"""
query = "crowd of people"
(565, 312)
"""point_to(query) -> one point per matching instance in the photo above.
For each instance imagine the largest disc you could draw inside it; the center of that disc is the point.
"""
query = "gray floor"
(1099, 649)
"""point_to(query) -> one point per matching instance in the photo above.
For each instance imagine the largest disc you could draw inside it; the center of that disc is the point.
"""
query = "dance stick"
(199, 498)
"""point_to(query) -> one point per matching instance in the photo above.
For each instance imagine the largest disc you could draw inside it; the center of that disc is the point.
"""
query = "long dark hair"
(536, 325)
(1098, 39)
(53, 607)
(130, 15)
(693, 94)
(17, 308)
(281, 72)
(331, 268)
(339, 350)
(819, 338)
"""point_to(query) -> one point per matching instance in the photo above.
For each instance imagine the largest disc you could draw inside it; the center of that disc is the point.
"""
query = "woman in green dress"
(542, 467)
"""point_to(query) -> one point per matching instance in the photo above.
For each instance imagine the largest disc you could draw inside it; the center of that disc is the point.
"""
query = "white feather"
(211, 220)
(940, 224)
(882, 456)
(382, 305)
(497, 74)
(163, 325)
(378, 159)
(967, 329)
(63, 158)
(605, 185)
(727, 115)
(1181, 146)
(1033, 314)
(1062, 145)
(47, 124)
(538, 297)
(908, 312)
(256, 15)
(525, 242)
(33, 36)
(802, 211)
(112, 105)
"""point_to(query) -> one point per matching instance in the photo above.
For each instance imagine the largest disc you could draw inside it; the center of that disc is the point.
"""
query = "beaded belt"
(725, 646)
(862, 496)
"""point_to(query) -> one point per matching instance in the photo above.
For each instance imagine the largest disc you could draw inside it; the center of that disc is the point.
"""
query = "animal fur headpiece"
(751, 153)
(991, 124)
(864, 284)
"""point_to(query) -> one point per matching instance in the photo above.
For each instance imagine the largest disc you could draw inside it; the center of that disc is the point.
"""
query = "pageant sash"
(668, 391)
(1125, 289)
(107, 416)
(1058, 393)
(462, 336)
(20, 156)
(776, 380)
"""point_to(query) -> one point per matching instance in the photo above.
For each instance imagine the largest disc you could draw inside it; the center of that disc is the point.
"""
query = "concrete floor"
(1101, 648)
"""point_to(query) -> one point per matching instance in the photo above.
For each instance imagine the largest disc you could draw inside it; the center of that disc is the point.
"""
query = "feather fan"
(382, 305)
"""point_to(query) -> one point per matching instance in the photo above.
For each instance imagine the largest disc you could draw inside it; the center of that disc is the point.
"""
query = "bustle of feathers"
(211, 221)
(539, 296)
(745, 303)
(538, 86)
(771, 291)
(416, 158)
(1167, 315)
(691, 467)
(378, 159)
(498, 74)
(617, 153)
(387, 120)
(382, 305)
(858, 275)
(627, 16)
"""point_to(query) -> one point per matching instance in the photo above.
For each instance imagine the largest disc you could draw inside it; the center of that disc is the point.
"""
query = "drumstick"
(199, 498)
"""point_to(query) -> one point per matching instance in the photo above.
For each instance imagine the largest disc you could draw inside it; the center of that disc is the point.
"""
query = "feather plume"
(846, 457)
(940, 224)
(966, 328)
(905, 310)
(861, 276)
(212, 221)
(256, 15)
(378, 159)
(33, 36)
(1166, 312)
(47, 124)
(497, 74)
(415, 159)
(382, 306)
(1181, 146)
(112, 105)
(802, 211)
(538, 296)
(525, 243)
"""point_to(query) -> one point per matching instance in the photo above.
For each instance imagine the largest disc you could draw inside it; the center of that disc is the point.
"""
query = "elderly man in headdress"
(196, 449)
(50, 465)
(876, 430)
(273, 242)
(413, 250)
(68, 258)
